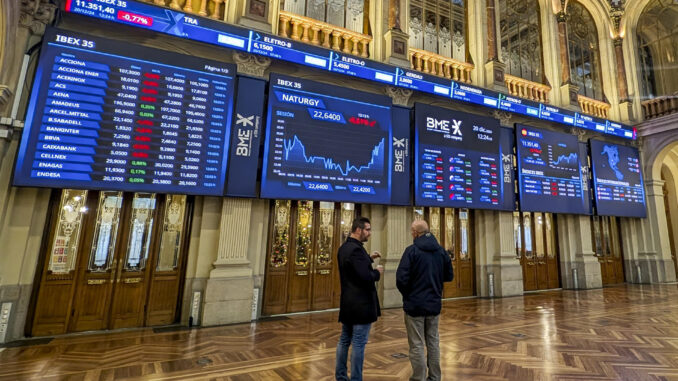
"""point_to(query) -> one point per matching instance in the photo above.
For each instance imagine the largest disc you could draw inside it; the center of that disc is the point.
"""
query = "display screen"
(617, 180)
(103, 116)
(326, 143)
(177, 23)
(458, 160)
(549, 169)
(246, 138)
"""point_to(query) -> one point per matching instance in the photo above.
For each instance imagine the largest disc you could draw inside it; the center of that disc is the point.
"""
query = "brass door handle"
(96, 281)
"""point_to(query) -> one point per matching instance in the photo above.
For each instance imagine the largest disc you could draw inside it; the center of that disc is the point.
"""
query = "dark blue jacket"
(423, 268)
(359, 300)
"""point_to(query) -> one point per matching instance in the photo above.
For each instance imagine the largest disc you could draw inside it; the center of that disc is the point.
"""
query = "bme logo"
(447, 126)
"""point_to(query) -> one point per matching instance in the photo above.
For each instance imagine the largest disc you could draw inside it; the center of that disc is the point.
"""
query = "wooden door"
(112, 281)
(536, 246)
(322, 281)
(301, 271)
(540, 251)
(452, 229)
(552, 264)
(607, 245)
(303, 229)
(167, 280)
(96, 282)
(52, 301)
(132, 278)
(527, 252)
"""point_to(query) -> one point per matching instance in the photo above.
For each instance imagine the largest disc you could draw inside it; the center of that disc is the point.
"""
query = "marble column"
(397, 239)
(655, 261)
(496, 255)
(576, 252)
(228, 295)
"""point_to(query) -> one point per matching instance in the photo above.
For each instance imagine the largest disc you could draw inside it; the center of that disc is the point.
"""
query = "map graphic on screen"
(617, 179)
(326, 143)
(102, 115)
(550, 172)
(458, 160)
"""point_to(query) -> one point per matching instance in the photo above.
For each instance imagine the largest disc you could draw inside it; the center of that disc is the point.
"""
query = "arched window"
(582, 38)
(347, 14)
(520, 38)
(439, 26)
(658, 48)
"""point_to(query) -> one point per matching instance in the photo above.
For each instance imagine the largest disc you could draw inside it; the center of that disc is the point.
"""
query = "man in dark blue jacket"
(359, 306)
(423, 268)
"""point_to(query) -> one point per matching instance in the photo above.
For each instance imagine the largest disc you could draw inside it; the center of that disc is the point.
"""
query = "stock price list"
(550, 172)
(104, 120)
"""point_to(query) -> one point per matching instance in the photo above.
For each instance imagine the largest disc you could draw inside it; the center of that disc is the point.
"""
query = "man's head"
(361, 229)
(418, 228)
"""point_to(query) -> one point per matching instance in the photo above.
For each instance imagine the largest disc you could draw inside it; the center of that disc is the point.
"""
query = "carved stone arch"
(662, 146)
(599, 11)
(628, 27)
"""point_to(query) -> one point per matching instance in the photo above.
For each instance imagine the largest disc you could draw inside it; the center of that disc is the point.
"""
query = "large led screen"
(458, 160)
(617, 180)
(112, 115)
(327, 143)
(549, 169)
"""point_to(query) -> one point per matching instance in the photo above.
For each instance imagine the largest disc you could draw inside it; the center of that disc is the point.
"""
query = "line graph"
(295, 154)
(570, 159)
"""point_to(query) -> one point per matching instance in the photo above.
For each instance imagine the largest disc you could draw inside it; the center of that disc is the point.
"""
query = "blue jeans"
(355, 335)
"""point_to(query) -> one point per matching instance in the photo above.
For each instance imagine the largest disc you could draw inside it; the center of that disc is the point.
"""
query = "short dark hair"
(359, 222)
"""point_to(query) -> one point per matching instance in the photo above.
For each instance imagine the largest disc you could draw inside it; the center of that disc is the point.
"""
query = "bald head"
(419, 227)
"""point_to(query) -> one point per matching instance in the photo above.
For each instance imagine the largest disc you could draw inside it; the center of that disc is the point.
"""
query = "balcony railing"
(206, 8)
(594, 107)
(431, 63)
(320, 33)
(660, 106)
(523, 88)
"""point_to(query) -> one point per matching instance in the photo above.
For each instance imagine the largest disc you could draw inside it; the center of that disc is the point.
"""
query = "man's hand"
(380, 268)
(375, 254)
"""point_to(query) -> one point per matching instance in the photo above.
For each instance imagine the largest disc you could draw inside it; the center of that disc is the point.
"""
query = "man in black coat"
(359, 306)
(422, 270)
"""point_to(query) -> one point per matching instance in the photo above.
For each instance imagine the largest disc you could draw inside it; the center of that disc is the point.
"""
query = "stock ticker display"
(326, 143)
(550, 172)
(617, 180)
(458, 160)
(179, 24)
(103, 116)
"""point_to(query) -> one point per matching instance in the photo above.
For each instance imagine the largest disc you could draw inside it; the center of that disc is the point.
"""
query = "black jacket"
(420, 276)
(359, 301)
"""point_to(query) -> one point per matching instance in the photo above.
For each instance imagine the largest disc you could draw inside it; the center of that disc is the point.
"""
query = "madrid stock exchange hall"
(184, 195)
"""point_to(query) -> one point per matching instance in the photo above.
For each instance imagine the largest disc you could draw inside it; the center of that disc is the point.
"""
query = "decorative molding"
(5, 94)
(582, 135)
(400, 96)
(36, 14)
(250, 64)
(234, 232)
(503, 116)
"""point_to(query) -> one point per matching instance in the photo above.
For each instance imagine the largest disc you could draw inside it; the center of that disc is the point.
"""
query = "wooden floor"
(627, 332)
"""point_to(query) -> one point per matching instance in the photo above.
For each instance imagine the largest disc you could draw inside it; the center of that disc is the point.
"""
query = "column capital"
(250, 64)
(400, 96)
(36, 14)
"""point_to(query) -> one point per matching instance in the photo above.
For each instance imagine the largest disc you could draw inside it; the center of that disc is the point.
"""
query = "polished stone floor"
(626, 332)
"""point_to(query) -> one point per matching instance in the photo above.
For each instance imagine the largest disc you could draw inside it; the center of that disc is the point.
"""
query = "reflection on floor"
(627, 332)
